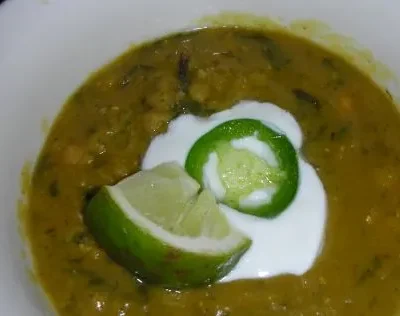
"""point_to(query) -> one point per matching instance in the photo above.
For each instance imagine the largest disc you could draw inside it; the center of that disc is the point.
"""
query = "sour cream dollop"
(287, 244)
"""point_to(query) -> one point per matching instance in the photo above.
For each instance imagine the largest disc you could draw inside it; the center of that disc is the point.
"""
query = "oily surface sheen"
(351, 132)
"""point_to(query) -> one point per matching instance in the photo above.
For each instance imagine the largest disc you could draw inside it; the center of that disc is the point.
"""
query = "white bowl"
(48, 47)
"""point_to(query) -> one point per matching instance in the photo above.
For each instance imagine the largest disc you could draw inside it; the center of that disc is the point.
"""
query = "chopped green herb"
(75, 260)
(50, 231)
(340, 133)
(304, 96)
(373, 267)
(190, 106)
(54, 189)
(328, 63)
(131, 73)
(389, 94)
(183, 72)
(320, 132)
(186, 105)
(96, 281)
(274, 54)
(44, 163)
(271, 50)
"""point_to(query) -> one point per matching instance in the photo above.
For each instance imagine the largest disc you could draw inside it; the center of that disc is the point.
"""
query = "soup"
(350, 129)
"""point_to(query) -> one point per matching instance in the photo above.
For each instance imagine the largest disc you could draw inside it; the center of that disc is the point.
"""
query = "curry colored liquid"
(351, 133)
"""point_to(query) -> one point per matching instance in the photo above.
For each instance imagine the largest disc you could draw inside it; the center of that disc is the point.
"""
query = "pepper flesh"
(242, 171)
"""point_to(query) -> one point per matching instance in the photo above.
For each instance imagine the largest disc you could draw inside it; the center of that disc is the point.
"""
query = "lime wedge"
(159, 226)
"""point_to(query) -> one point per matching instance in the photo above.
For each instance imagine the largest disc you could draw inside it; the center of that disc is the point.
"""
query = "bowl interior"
(49, 47)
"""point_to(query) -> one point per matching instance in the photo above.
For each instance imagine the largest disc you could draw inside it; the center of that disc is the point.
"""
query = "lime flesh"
(157, 225)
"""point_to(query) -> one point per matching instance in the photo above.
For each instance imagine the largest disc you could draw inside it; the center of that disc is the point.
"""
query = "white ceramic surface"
(47, 47)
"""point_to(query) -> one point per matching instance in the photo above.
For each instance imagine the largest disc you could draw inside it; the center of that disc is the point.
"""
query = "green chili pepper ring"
(219, 138)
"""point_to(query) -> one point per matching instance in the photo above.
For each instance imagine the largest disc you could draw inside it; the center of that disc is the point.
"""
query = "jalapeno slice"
(248, 165)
